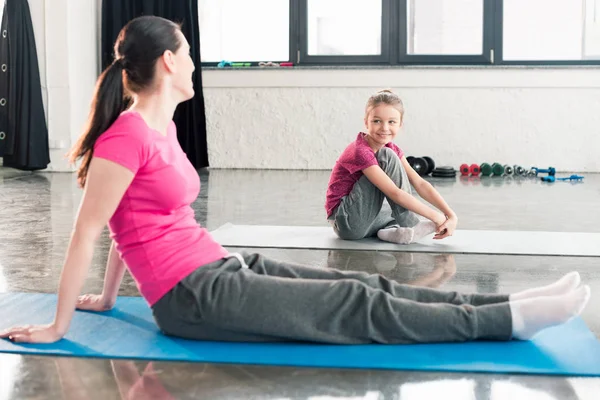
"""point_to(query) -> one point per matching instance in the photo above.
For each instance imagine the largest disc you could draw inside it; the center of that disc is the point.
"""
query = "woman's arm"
(106, 184)
(115, 270)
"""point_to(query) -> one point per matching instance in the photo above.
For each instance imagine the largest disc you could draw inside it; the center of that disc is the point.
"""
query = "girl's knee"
(388, 160)
(387, 154)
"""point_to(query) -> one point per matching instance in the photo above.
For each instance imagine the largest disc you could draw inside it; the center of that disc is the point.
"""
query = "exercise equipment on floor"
(550, 171)
(422, 165)
(128, 331)
(495, 169)
(444, 172)
(425, 166)
(463, 241)
(552, 178)
(498, 169)
(466, 170)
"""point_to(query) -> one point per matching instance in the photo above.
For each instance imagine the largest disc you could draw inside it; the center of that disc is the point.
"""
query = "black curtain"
(23, 129)
(189, 116)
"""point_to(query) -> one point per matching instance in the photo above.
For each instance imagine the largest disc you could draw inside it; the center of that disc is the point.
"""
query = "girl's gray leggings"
(360, 213)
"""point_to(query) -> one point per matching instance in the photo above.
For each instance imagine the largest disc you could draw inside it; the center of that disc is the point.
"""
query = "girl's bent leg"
(391, 164)
(360, 213)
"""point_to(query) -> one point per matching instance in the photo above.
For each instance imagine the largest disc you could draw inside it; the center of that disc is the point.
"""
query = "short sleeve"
(125, 148)
(398, 151)
(361, 158)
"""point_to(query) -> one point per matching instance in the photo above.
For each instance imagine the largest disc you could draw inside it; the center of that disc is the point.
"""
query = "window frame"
(487, 51)
(499, 44)
(394, 43)
(306, 59)
(293, 32)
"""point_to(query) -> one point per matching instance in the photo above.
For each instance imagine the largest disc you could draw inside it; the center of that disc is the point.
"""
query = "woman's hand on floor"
(94, 302)
(32, 334)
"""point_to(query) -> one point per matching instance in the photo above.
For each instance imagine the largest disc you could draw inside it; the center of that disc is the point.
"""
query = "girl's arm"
(379, 178)
(429, 194)
(106, 184)
(426, 190)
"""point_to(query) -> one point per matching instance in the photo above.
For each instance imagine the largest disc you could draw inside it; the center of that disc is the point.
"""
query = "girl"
(373, 168)
(137, 179)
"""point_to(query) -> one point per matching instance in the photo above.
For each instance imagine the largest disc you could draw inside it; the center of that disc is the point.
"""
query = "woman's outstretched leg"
(267, 266)
(224, 301)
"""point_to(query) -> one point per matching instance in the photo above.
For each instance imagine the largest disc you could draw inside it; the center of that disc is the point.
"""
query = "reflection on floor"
(38, 211)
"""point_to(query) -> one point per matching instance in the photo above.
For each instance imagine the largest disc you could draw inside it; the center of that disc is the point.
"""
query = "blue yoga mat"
(128, 331)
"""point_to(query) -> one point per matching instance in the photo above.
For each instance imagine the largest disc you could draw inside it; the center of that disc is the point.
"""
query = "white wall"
(303, 118)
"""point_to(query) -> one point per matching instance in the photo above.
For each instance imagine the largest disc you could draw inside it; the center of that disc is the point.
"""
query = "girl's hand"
(439, 221)
(447, 228)
(31, 334)
(93, 302)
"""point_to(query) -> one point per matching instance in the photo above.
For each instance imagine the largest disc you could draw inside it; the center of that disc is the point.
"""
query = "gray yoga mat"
(463, 241)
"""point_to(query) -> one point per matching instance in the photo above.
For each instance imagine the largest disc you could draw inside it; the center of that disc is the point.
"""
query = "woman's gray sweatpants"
(360, 213)
(265, 300)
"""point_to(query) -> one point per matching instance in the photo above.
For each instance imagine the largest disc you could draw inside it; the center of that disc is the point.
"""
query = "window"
(445, 27)
(357, 31)
(445, 31)
(591, 33)
(551, 30)
(238, 30)
(343, 31)
(398, 32)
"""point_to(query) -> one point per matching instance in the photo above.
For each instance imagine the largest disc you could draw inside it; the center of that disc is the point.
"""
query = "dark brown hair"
(139, 44)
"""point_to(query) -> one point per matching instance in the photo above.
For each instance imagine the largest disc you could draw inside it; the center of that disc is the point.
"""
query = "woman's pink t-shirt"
(154, 227)
(357, 156)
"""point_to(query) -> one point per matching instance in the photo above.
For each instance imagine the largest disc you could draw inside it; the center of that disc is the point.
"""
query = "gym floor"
(38, 211)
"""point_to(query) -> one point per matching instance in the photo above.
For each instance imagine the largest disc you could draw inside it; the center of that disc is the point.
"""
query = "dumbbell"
(419, 164)
(464, 170)
(422, 165)
(472, 169)
(508, 170)
(518, 170)
(497, 169)
(550, 171)
(430, 164)
(486, 169)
